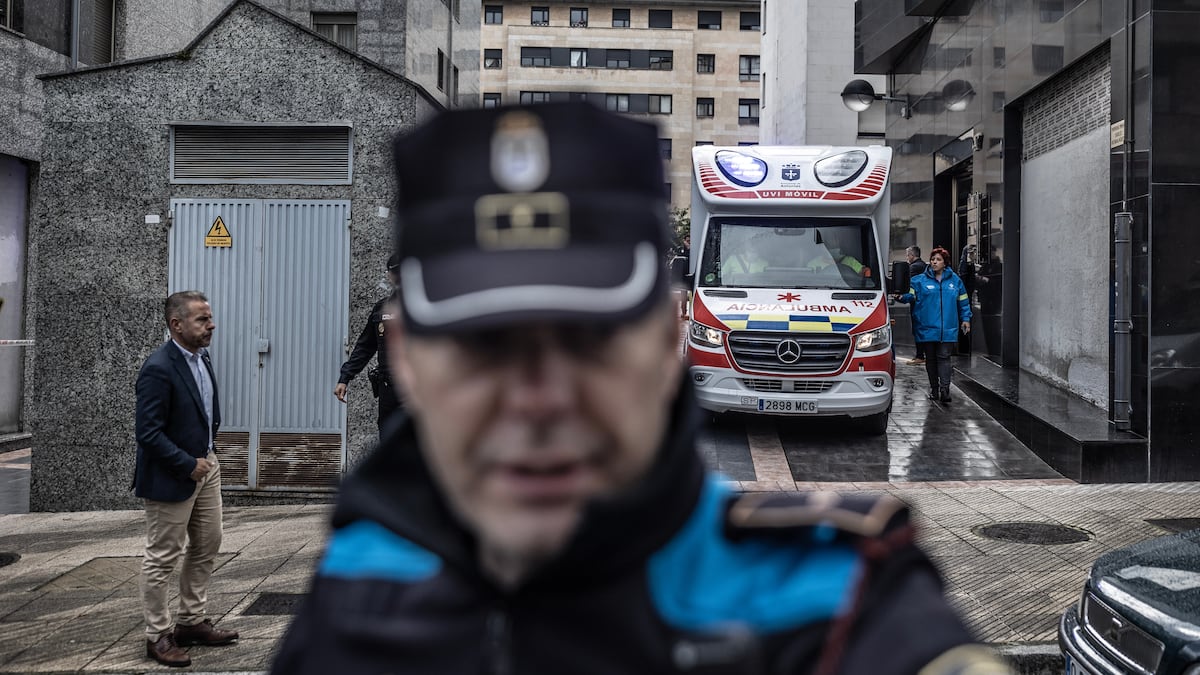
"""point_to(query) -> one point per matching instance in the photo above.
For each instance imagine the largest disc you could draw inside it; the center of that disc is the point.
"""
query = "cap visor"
(476, 290)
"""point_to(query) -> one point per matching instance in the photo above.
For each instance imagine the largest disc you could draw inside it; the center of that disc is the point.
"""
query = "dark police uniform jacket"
(679, 575)
(371, 341)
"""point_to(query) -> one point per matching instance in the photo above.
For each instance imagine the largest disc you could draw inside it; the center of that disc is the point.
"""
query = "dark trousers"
(389, 402)
(937, 363)
(920, 346)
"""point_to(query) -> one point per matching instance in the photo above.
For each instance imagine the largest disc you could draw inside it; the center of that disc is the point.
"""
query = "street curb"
(1032, 659)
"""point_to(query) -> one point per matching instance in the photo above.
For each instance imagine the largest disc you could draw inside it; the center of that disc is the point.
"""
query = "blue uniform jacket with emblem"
(679, 575)
(939, 305)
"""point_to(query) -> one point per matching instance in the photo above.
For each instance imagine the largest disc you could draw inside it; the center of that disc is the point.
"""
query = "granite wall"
(101, 271)
(21, 98)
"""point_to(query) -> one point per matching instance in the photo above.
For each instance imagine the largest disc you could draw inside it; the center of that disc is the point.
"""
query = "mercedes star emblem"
(788, 351)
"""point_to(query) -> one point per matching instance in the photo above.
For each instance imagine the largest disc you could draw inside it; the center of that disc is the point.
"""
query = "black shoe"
(945, 394)
(933, 394)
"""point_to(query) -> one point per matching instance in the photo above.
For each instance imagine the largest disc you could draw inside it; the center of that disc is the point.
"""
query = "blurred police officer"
(371, 342)
(543, 508)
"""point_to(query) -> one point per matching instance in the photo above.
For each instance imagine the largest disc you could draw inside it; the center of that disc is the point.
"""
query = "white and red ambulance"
(789, 314)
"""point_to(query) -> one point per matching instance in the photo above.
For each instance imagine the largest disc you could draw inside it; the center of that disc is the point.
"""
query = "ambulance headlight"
(840, 169)
(709, 337)
(742, 169)
(874, 340)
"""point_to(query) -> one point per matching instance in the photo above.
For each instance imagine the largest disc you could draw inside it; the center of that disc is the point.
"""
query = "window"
(535, 57)
(667, 189)
(699, 143)
(342, 28)
(708, 20)
(493, 59)
(8, 17)
(493, 14)
(491, 100)
(747, 143)
(441, 77)
(706, 63)
(617, 58)
(620, 18)
(454, 83)
(1050, 11)
(661, 59)
(997, 101)
(750, 21)
(705, 107)
(748, 68)
(747, 111)
(664, 148)
(96, 27)
(616, 102)
(539, 16)
(579, 58)
(998, 57)
(660, 18)
(579, 16)
(660, 104)
(528, 97)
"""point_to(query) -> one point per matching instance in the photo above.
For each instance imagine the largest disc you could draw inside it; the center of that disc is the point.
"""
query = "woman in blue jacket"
(940, 310)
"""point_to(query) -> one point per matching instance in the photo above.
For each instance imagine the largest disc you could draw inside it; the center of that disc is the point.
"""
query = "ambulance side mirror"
(900, 277)
(679, 270)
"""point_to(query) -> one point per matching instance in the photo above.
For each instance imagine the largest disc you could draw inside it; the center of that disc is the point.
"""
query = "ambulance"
(789, 312)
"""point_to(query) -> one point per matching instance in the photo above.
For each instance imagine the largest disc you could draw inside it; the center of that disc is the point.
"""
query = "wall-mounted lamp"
(859, 95)
(957, 95)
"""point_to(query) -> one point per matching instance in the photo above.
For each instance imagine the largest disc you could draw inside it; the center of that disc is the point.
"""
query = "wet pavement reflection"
(925, 441)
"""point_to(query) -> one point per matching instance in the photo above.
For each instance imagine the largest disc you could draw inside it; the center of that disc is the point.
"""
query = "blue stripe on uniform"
(701, 579)
(367, 550)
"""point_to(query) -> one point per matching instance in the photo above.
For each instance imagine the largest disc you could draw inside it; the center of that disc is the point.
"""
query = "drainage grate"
(8, 558)
(1032, 533)
(1175, 524)
(274, 604)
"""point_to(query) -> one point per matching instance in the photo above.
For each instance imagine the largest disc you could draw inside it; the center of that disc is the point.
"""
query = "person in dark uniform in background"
(542, 508)
(915, 266)
(371, 342)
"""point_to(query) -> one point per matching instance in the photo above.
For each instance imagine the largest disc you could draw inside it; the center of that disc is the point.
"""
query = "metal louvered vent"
(311, 461)
(261, 154)
(233, 453)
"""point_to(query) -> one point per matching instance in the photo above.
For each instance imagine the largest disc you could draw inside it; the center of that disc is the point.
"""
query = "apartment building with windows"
(693, 68)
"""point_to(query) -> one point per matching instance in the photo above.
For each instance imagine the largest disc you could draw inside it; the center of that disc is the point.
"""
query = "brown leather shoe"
(203, 633)
(167, 652)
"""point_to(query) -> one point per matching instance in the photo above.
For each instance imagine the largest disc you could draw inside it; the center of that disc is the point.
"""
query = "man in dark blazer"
(177, 474)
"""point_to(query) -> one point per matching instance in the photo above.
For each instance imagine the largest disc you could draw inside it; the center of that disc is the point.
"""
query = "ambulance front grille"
(794, 386)
(759, 351)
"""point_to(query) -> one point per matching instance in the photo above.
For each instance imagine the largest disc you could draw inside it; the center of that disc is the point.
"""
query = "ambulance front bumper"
(853, 394)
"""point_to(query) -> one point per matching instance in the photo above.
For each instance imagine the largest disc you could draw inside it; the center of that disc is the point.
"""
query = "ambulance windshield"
(757, 252)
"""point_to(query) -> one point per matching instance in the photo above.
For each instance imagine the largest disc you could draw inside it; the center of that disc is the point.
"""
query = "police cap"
(514, 214)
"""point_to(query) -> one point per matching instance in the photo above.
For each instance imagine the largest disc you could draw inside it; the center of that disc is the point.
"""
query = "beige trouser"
(191, 528)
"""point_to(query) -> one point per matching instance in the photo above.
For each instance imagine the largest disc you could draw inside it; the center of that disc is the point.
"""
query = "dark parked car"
(1140, 611)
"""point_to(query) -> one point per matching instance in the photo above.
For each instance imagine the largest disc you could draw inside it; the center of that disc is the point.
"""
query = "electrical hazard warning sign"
(218, 235)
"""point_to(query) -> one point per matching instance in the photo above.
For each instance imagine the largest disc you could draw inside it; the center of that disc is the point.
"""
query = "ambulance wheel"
(875, 425)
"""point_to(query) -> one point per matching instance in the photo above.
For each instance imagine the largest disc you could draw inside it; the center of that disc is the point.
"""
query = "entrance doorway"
(277, 275)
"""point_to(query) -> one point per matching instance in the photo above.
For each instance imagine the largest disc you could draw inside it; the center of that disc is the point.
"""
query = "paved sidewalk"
(70, 604)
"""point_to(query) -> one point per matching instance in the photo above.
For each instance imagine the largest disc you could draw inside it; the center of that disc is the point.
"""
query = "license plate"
(1073, 668)
(786, 406)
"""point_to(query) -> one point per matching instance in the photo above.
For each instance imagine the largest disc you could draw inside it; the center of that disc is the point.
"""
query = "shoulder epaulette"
(822, 516)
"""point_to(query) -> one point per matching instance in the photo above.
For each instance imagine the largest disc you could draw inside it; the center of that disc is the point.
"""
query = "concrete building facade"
(692, 67)
(95, 153)
(805, 66)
